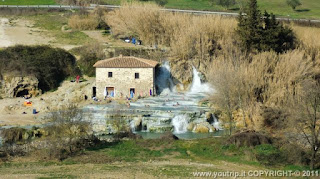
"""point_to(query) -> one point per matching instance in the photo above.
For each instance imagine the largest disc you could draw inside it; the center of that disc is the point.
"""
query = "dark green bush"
(14, 135)
(263, 32)
(89, 55)
(86, 63)
(50, 65)
(161, 2)
(267, 154)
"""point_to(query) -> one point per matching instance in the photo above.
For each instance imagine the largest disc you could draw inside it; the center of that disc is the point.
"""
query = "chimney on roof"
(120, 55)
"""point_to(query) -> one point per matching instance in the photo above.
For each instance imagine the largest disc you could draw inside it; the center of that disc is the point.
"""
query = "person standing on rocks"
(77, 79)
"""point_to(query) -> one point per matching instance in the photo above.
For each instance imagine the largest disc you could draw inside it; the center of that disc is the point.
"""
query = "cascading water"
(197, 86)
(216, 123)
(132, 126)
(163, 112)
(180, 124)
(163, 79)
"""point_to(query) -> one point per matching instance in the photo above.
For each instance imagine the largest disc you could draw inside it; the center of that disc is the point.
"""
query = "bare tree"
(305, 110)
(68, 125)
(224, 79)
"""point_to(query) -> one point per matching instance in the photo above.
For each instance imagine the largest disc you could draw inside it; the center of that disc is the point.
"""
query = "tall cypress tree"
(249, 25)
(262, 33)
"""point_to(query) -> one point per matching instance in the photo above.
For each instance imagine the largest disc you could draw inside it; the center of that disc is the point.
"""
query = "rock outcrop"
(181, 72)
(17, 86)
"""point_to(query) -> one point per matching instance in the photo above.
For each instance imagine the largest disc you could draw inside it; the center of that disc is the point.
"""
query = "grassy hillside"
(310, 8)
(27, 2)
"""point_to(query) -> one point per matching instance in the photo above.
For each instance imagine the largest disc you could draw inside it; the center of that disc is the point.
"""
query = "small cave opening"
(22, 93)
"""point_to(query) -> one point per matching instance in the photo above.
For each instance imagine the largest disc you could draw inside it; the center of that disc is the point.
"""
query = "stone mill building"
(124, 76)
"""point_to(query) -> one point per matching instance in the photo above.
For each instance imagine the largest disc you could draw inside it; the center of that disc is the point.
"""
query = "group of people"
(133, 41)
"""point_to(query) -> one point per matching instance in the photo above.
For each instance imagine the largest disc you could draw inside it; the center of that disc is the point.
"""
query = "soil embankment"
(13, 111)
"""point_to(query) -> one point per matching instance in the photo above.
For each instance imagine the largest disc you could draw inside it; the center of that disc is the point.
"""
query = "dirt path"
(173, 168)
(20, 31)
(4, 40)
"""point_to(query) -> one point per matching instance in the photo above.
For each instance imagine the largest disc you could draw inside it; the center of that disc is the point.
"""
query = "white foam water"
(197, 86)
(180, 124)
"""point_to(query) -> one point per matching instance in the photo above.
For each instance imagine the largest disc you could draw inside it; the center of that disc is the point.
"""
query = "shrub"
(89, 55)
(248, 139)
(254, 81)
(294, 3)
(161, 2)
(14, 135)
(84, 22)
(49, 65)
(224, 3)
(69, 133)
(268, 154)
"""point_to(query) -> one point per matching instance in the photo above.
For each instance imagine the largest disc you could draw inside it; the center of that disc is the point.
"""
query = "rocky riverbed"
(178, 112)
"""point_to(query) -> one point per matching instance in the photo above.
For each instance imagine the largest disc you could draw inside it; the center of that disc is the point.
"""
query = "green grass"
(132, 156)
(205, 150)
(310, 8)
(27, 2)
(53, 22)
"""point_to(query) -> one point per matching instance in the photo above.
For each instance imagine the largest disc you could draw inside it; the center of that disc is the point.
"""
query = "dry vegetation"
(84, 20)
(253, 90)
(79, 22)
(187, 36)
(264, 78)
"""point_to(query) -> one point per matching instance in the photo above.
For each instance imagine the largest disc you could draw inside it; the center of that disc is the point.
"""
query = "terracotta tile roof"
(125, 62)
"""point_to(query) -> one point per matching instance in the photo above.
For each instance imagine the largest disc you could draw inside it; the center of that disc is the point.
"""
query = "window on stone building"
(136, 75)
(110, 74)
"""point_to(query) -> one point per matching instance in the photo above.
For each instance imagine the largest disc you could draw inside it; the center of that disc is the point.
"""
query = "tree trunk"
(313, 158)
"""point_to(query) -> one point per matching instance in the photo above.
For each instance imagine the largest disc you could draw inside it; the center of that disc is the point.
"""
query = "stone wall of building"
(123, 79)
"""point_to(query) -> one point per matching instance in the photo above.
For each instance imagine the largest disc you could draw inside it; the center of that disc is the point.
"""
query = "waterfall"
(216, 123)
(163, 79)
(132, 126)
(180, 123)
(197, 86)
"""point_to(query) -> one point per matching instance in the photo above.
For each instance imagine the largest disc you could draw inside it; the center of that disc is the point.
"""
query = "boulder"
(168, 136)
(249, 138)
(181, 72)
(204, 127)
(137, 123)
(190, 126)
(201, 129)
(209, 117)
(17, 86)
(126, 134)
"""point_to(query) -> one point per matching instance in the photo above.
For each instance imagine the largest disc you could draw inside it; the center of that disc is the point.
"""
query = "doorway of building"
(132, 92)
(94, 91)
(110, 91)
